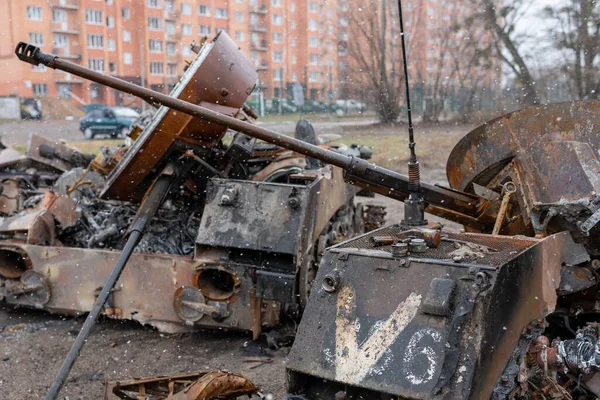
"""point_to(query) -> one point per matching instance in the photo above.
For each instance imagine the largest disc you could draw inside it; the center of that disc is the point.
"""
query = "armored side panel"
(220, 78)
(442, 323)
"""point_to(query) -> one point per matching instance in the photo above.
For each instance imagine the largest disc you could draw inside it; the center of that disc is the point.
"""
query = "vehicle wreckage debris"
(198, 386)
(506, 309)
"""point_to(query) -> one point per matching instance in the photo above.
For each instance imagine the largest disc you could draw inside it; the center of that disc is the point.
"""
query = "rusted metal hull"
(433, 328)
(263, 262)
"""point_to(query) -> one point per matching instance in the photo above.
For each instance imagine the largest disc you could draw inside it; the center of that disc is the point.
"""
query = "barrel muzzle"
(33, 55)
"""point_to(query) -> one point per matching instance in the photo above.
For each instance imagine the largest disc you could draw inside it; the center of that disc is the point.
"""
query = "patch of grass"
(390, 144)
(86, 146)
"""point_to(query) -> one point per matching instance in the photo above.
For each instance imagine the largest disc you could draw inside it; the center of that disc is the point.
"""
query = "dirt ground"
(33, 344)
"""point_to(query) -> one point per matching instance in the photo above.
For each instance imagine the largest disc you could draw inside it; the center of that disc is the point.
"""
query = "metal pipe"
(358, 171)
(148, 208)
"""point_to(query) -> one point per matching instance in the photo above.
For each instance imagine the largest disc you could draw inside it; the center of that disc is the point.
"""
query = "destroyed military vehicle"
(234, 246)
(506, 309)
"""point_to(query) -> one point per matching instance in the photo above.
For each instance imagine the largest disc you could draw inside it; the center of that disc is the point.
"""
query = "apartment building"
(148, 42)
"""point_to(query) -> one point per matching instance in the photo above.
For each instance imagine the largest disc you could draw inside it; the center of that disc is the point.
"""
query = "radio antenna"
(414, 206)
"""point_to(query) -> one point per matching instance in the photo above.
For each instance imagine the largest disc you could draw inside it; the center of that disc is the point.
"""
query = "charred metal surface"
(427, 323)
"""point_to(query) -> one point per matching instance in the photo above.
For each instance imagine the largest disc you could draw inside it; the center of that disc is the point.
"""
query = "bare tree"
(577, 34)
(371, 54)
(501, 21)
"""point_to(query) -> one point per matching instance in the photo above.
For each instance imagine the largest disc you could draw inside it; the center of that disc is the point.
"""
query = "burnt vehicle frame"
(468, 276)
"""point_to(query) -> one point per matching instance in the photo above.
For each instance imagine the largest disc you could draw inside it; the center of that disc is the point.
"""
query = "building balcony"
(65, 77)
(173, 37)
(259, 9)
(67, 4)
(73, 53)
(171, 15)
(64, 27)
(259, 45)
(258, 28)
(261, 65)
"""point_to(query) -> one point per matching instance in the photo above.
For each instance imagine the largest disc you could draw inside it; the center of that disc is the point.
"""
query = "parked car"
(349, 106)
(113, 121)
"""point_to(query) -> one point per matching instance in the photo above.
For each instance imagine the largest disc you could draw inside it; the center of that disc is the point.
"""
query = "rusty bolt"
(224, 92)
(294, 202)
(331, 281)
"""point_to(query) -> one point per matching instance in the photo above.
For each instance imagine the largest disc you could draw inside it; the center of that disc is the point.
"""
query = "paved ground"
(33, 344)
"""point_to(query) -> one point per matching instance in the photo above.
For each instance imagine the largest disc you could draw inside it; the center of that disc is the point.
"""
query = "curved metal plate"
(220, 78)
(484, 151)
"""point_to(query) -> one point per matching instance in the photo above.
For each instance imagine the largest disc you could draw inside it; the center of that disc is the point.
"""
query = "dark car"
(113, 121)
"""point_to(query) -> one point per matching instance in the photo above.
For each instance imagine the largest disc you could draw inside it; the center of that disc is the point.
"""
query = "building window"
(171, 49)
(154, 3)
(170, 27)
(172, 69)
(155, 45)
(294, 59)
(126, 35)
(112, 68)
(109, 2)
(96, 64)
(112, 44)
(221, 13)
(312, 7)
(59, 16)
(35, 38)
(204, 29)
(294, 77)
(293, 42)
(277, 56)
(313, 42)
(154, 24)
(313, 76)
(110, 21)
(312, 25)
(95, 41)
(277, 37)
(186, 51)
(277, 74)
(39, 68)
(186, 29)
(204, 10)
(127, 58)
(125, 13)
(277, 19)
(34, 13)
(40, 89)
(292, 24)
(314, 59)
(292, 6)
(93, 17)
(239, 16)
(239, 36)
(276, 3)
(186, 9)
(157, 68)
(330, 29)
(343, 21)
(60, 40)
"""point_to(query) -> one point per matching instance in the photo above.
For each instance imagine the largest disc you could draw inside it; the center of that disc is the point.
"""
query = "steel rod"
(147, 209)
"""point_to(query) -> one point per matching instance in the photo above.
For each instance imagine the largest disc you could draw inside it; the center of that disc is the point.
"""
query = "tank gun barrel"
(358, 171)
